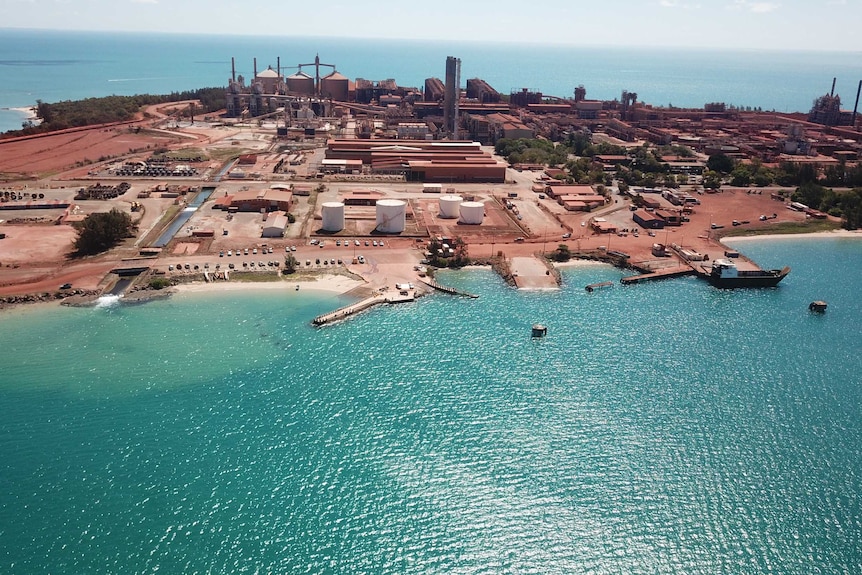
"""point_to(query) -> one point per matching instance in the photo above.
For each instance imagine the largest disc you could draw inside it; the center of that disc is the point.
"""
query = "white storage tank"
(449, 206)
(472, 212)
(391, 216)
(333, 216)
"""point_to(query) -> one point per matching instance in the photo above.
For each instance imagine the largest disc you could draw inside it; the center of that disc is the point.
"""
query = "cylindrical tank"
(472, 212)
(335, 86)
(333, 216)
(300, 83)
(391, 216)
(449, 206)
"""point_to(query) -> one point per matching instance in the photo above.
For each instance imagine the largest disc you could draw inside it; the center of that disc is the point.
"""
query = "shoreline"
(329, 283)
(857, 234)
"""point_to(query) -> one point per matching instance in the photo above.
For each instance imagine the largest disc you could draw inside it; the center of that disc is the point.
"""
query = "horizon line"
(465, 41)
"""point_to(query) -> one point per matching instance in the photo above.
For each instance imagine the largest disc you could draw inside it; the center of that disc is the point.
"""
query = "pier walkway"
(674, 272)
(449, 290)
(362, 305)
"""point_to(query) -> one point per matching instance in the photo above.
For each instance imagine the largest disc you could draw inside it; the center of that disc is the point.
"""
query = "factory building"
(507, 126)
(419, 160)
(270, 81)
(300, 84)
(368, 90)
(335, 86)
(524, 98)
(434, 90)
(268, 200)
(275, 225)
(481, 91)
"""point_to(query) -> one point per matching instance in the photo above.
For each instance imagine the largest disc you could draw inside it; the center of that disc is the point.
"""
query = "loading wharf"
(674, 272)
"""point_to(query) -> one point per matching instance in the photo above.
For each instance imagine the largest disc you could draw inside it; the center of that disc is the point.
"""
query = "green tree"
(711, 180)
(290, 264)
(158, 283)
(720, 163)
(561, 254)
(101, 231)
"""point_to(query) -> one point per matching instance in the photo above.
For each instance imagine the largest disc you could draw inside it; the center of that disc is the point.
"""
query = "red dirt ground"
(23, 159)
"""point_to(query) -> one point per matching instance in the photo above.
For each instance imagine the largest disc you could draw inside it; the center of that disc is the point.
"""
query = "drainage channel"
(183, 217)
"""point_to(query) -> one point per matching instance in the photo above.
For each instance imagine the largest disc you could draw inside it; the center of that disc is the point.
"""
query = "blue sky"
(778, 24)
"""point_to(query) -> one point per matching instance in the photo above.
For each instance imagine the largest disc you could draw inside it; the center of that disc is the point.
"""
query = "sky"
(830, 25)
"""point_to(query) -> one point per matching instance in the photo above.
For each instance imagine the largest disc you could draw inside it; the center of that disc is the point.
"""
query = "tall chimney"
(232, 69)
(278, 66)
(856, 106)
(255, 71)
(833, 87)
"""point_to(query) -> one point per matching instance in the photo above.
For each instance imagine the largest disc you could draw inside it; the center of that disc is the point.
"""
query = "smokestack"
(278, 66)
(832, 93)
(232, 69)
(255, 71)
(856, 106)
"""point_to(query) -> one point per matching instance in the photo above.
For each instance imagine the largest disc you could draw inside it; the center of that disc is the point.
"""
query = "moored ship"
(725, 274)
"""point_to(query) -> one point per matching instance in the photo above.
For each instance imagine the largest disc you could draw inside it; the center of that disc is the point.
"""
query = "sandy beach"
(331, 283)
(857, 234)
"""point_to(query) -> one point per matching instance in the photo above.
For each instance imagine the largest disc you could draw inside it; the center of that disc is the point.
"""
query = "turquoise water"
(661, 428)
(55, 65)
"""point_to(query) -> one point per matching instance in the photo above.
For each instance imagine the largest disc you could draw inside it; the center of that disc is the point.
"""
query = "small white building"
(275, 225)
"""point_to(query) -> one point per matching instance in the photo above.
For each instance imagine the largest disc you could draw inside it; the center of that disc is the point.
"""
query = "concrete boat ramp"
(533, 273)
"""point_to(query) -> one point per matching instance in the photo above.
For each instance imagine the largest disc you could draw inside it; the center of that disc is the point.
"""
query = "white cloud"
(678, 4)
(755, 7)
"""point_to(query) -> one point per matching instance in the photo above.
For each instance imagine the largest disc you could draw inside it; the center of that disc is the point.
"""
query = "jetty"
(362, 305)
(434, 285)
(674, 272)
(590, 288)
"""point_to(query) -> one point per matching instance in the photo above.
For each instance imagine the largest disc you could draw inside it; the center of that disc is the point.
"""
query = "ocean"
(53, 66)
(667, 427)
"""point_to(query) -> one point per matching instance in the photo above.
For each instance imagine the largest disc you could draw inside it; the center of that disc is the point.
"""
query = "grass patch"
(257, 277)
(185, 155)
(224, 154)
(809, 227)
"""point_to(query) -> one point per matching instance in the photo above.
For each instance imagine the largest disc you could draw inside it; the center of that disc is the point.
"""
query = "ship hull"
(762, 279)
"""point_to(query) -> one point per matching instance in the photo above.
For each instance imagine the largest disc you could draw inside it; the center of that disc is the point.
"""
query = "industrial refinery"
(366, 122)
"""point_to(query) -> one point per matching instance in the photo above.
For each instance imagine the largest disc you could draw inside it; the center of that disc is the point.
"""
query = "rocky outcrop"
(65, 295)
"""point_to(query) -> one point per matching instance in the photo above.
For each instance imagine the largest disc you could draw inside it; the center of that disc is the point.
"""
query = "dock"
(434, 285)
(674, 272)
(596, 286)
(362, 305)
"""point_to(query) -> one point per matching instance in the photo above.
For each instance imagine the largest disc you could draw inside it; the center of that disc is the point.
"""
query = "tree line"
(93, 111)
